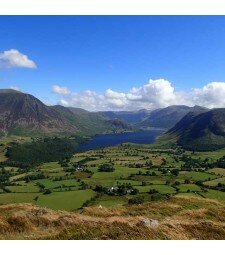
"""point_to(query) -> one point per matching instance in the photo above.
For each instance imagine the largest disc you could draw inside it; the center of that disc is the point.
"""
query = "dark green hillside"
(91, 123)
(204, 131)
(44, 150)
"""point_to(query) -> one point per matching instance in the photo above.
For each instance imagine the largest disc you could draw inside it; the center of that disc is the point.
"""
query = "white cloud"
(14, 58)
(60, 90)
(15, 88)
(155, 94)
(212, 95)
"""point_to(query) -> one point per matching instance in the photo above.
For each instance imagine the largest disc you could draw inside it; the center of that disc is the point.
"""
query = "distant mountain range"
(159, 118)
(23, 114)
(167, 117)
(194, 128)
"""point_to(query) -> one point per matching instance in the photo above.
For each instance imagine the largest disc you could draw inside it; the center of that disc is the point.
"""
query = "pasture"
(137, 171)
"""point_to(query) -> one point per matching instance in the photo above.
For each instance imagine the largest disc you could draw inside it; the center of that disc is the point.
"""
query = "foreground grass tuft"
(178, 218)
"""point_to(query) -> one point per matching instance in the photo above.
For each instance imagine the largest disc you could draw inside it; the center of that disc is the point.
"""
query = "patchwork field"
(113, 176)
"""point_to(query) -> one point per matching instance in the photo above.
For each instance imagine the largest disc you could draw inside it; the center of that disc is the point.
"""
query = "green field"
(191, 187)
(215, 182)
(137, 169)
(163, 189)
(69, 200)
(49, 184)
(214, 194)
(24, 188)
(9, 198)
(218, 171)
(197, 176)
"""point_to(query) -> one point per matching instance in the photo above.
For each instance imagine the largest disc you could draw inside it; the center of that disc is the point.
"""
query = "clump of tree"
(106, 168)
(136, 200)
(153, 191)
(37, 152)
(47, 192)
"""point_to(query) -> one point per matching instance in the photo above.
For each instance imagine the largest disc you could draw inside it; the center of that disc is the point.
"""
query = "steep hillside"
(23, 114)
(201, 131)
(91, 122)
(168, 117)
(178, 218)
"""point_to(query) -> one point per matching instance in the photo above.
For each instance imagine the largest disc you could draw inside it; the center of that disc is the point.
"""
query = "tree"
(36, 199)
(176, 183)
(143, 183)
(153, 191)
(106, 168)
(134, 191)
(136, 200)
(175, 172)
(47, 192)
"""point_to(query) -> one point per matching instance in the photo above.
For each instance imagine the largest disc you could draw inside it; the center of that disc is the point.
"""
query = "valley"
(76, 174)
(114, 176)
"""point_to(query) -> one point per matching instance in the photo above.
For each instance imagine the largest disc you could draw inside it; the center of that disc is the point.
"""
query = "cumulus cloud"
(211, 95)
(60, 90)
(13, 58)
(155, 94)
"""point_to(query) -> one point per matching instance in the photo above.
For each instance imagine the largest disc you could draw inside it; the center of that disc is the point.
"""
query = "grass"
(103, 182)
(179, 218)
(163, 189)
(214, 194)
(68, 200)
(161, 179)
(130, 182)
(24, 188)
(217, 171)
(110, 201)
(122, 172)
(68, 194)
(214, 183)
(19, 176)
(50, 184)
(9, 198)
(210, 154)
(185, 187)
(197, 176)
(189, 194)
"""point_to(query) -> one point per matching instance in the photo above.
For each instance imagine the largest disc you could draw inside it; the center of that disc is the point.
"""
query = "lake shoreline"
(142, 136)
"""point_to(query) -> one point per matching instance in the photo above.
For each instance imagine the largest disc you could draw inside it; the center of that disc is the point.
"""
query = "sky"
(115, 62)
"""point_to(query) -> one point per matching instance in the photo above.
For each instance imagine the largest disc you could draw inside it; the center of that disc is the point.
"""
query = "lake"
(141, 136)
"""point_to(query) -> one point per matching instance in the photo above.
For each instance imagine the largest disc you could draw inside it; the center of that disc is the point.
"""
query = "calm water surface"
(101, 141)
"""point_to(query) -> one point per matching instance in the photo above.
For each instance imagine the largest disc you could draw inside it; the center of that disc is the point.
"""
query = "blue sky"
(113, 52)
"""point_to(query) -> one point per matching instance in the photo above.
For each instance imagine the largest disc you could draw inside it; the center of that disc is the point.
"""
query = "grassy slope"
(178, 218)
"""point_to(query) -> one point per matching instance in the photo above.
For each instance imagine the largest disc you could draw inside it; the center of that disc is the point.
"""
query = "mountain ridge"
(201, 130)
(24, 114)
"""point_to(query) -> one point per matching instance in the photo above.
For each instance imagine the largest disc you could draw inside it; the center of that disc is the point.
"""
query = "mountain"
(168, 117)
(91, 122)
(23, 114)
(201, 131)
(132, 117)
